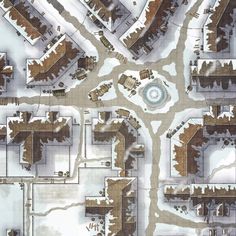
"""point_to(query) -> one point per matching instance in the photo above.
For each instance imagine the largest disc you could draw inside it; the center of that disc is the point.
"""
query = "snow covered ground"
(3, 160)
(166, 230)
(57, 159)
(155, 125)
(225, 175)
(71, 220)
(11, 207)
(220, 163)
(170, 69)
(108, 66)
(99, 153)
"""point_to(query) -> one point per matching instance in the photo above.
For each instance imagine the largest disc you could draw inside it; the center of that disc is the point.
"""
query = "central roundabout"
(149, 90)
(154, 94)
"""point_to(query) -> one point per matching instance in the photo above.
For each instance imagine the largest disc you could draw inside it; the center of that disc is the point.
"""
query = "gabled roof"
(116, 205)
(202, 193)
(34, 132)
(214, 36)
(25, 19)
(124, 142)
(54, 63)
(184, 148)
(110, 13)
(211, 73)
(142, 24)
(6, 71)
(222, 124)
(150, 22)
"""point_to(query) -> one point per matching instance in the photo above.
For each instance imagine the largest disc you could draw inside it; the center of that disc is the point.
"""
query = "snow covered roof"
(210, 72)
(5, 5)
(215, 67)
(189, 142)
(148, 13)
(217, 20)
(213, 190)
(221, 117)
(183, 153)
(6, 71)
(110, 13)
(117, 206)
(124, 142)
(34, 132)
(202, 192)
(26, 20)
(54, 63)
(150, 22)
(220, 124)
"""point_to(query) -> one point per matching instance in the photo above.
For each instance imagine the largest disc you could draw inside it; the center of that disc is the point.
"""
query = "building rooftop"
(220, 124)
(215, 37)
(125, 147)
(202, 193)
(54, 63)
(111, 13)
(185, 148)
(6, 71)
(25, 19)
(35, 132)
(118, 206)
(211, 72)
(152, 21)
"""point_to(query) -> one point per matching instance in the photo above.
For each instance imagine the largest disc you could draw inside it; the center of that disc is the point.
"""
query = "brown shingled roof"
(34, 134)
(186, 154)
(220, 18)
(59, 57)
(157, 11)
(220, 72)
(23, 15)
(119, 196)
(5, 71)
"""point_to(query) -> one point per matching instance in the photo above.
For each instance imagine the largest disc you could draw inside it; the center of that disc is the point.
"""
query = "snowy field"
(71, 196)
(166, 230)
(3, 160)
(57, 159)
(220, 163)
(11, 208)
(170, 69)
(155, 125)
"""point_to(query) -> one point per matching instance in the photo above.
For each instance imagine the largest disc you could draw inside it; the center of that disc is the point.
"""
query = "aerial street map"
(118, 118)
